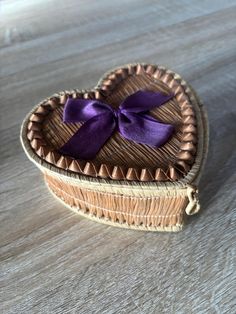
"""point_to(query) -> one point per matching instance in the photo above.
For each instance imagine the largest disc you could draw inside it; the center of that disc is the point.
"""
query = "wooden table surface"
(53, 261)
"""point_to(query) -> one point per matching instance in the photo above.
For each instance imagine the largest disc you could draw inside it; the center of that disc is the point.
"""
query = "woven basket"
(127, 185)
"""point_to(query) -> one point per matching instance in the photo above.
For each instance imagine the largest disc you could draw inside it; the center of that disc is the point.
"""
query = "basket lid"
(44, 133)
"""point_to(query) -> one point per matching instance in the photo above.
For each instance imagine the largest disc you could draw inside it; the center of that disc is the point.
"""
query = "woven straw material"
(154, 198)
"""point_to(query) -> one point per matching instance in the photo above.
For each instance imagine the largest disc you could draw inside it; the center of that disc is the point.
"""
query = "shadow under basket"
(127, 184)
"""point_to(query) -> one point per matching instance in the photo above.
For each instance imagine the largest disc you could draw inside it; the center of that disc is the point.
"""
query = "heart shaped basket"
(127, 184)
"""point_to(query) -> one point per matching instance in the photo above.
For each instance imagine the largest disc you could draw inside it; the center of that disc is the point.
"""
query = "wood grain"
(53, 261)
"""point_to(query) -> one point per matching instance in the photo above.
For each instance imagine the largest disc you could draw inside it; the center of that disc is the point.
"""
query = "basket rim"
(191, 177)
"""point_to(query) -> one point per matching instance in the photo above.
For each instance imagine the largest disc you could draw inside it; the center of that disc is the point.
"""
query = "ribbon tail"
(144, 129)
(91, 136)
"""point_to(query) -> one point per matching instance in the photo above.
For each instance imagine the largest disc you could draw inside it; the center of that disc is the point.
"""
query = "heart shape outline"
(184, 94)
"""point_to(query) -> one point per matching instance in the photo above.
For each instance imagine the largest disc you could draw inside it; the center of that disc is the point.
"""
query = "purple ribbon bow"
(130, 120)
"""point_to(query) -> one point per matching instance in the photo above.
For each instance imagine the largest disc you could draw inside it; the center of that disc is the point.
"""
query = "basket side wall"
(159, 211)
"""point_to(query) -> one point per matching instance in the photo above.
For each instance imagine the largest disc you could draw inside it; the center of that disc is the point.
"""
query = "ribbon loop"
(77, 110)
(144, 129)
(142, 101)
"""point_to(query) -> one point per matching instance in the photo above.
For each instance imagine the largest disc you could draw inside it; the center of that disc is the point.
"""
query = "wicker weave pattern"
(137, 201)
(159, 210)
